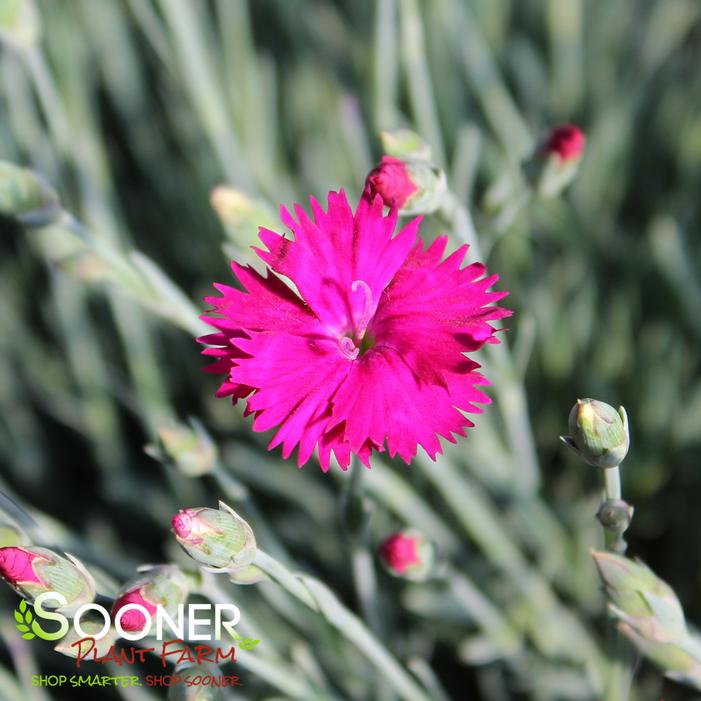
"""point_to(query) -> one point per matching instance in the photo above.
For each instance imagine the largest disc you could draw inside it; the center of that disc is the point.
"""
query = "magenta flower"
(370, 354)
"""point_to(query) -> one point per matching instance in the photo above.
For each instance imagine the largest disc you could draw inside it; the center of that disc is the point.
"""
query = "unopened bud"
(241, 215)
(187, 448)
(19, 23)
(219, 539)
(554, 166)
(615, 515)
(12, 535)
(412, 186)
(32, 571)
(565, 142)
(599, 433)
(25, 196)
(407, 554)
(405, 144)
(640, 598)
(192, 691)
(92, 625)
(391, 180)
(676, 659)
(163, 585)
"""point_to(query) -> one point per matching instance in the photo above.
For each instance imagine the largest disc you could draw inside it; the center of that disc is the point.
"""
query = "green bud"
(640, 598)
(72, 255)
(432, 187)
(599, 433)
(187, 448)
(25, 196)
(676, 659)
(19, 23)
(92, 625)
(406, 145)
(196, 692)
(615, 515)
(241, 216)
(219, 539)
(32, 571)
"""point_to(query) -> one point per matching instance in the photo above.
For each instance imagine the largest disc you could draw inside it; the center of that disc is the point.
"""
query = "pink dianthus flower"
(369, 353)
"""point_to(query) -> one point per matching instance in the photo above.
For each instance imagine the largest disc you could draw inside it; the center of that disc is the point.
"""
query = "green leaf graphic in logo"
(27, 625)
(247, 643)
(24, 617)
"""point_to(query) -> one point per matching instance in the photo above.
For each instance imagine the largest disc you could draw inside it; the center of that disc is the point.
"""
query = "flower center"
(355, 341)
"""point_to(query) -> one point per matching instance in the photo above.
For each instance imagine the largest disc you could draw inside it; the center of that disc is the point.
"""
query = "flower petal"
(294, 380)
(334, 250)
(433, 312)
(382, 399)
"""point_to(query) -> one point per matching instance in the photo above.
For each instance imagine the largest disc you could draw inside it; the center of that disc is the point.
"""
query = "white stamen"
(368, 307)
(349, 349)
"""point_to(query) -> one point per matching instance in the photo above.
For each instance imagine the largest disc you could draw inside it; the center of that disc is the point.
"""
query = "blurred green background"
(135, 110)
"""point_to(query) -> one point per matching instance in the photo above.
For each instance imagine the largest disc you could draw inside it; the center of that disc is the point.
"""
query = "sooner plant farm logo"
(93, 630)
(28, 625)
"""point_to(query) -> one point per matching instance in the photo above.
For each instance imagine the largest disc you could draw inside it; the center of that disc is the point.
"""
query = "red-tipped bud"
(164, 585)
(391, 180)
(399, 552)
(183, 523)
(32, 571)
(554, 165)
(133, 620)
(219, 538)
(566, 142)
(16, 566)
(407, 554)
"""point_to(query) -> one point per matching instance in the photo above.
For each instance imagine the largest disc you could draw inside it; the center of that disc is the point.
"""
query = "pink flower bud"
(32, 571)
(16, 566)
(160, 585)
(391, 180)
(218, 539)
(182, 524)
(565, 141)
(399, 552)
(133, 620)
(409, 555)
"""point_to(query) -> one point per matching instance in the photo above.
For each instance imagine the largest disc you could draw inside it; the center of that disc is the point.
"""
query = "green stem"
(483, 612)
(418, 78)
(618, 683)
(510, 392)
(318, 597)
(612, 483)
(267, 662)
(364, 575)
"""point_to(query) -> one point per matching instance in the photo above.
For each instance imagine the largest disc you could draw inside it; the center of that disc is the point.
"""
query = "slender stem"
(364, 575)
(320, 598)
(612, 483)
(511, 393)
(618, 683)
(483, 612)
(418, 82)
(386, 64)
